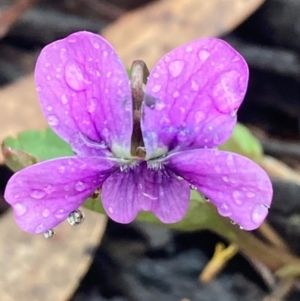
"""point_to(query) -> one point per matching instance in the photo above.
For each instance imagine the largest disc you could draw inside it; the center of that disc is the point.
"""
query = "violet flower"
(189, 108)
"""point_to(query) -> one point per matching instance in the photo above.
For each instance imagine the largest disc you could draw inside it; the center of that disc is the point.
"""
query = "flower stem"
(273, 257)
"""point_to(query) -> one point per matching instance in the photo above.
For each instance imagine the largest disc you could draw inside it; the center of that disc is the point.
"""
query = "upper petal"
(195, 91)
(126, 193)
(238, 187)
(85, 95)
(43, 195)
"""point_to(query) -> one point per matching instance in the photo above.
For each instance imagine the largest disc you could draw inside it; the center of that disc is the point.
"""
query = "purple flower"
(189, 108)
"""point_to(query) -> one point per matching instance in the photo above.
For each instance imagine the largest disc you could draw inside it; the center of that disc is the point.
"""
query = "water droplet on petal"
(156, 88)
(48, 77)
(176, 94)
(250, 194)
(224, 210)
(49, 189)
(49, 233)
(179, 178)
(38, 88)
(20, 209)
(61, 169)
(237, 196)
(52, 120)
(194, 85)
(199, 116)
(225, 179)
(92, 105)
(228, 92)
(108, 74)
(46, 213)
(96, 45)
(80, 186)
(176, 67)
(38, 194)
(189, 49)
(64, 99)
(259, 213)
(193, 187)
(49, 108)
(155, 75)
(110, 210)
(76, 217)
(204, 54)
(40, 228)
(60, 213)
(105, 53)
(75, 76)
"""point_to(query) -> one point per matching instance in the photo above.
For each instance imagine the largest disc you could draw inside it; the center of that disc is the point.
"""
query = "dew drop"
(250, 194)
(110, 210)
(108, 74)
(155, 75)
(237, 196)
(259, 213)
(80, 186)
(194, 86)
(176, 68)
(48, 77)
(76, 217)
(167, 59)
(60, 213)
(49, 108)
(199, 116)
(64, 99)
(193, 187)
(206, 199)
(37, 194)
(49, 189)
(156, 88)
(189, 48)
(52, 120)
(105, 53)
(40, 228)
(20, 209)
(92, 105)
(75, 76)
(46, 213)
(61, 169)
(204, 54)
(49, 233)
(226, 179)
(224, 210)
(228, 92)
(96, 45)
(179, 178)
(176, 94)
(38, 88)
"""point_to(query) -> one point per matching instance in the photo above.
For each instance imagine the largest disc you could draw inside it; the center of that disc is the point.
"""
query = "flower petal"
(85, 95)
(126, 193)
(43, 195)
(192, 96)
(238, 187)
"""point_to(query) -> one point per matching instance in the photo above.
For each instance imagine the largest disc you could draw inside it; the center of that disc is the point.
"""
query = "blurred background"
(142, 261)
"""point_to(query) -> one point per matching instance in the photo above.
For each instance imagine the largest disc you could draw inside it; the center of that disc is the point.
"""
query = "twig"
(273, 238)
(9, 16)
(282, 289)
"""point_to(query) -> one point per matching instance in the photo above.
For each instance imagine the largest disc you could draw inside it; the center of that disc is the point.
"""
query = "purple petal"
(85, 95)
(192, 96)
(238, 187)
(43, 195)
(126, 193)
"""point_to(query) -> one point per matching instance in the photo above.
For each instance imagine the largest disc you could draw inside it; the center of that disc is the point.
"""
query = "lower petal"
(141, 188)
(238, 187)
(43, 195)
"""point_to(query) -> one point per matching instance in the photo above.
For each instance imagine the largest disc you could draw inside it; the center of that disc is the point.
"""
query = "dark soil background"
(146, 262)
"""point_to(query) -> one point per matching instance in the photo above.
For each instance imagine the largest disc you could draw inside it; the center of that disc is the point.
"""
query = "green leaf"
(41, 145)
(243, 142)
